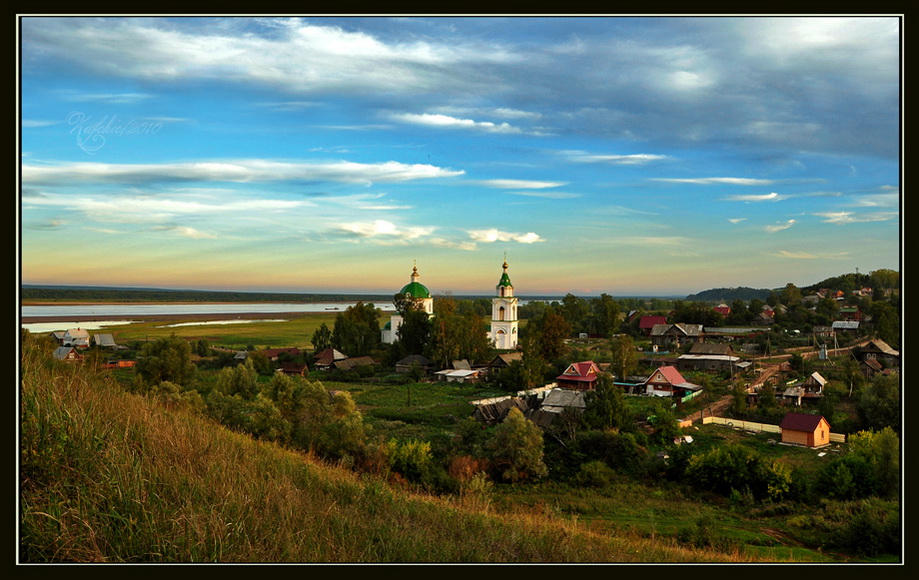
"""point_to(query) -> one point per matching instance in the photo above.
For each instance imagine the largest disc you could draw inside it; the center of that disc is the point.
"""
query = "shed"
(805, 429)
(104, 340)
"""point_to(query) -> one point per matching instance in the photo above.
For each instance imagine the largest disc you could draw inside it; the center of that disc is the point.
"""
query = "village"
(669, 350)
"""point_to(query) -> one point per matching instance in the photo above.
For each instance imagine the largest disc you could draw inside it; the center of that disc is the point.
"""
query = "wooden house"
(678, 334)
(579, 376)
(804, 429)
(502, 361)
(68, 354)
(667, 381)
(293, 369)
(274, 353)
(76, 337)
(326, 359)
(878, 350)
(707, 356)
(647, 323)
(405, 365)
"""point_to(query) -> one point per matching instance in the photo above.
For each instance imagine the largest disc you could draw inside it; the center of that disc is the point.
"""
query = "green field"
(294, 331)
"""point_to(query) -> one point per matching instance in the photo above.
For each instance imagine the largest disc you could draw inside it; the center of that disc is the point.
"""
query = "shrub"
(594, 474)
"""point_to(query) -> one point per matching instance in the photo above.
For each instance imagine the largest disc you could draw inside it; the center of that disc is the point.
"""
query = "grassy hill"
(108, 476)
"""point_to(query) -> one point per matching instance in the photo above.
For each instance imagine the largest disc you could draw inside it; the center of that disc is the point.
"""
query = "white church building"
(503, 332)
(504, 326)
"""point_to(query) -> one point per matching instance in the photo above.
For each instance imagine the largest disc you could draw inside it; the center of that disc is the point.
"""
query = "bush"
(703, 534)
(594, 474)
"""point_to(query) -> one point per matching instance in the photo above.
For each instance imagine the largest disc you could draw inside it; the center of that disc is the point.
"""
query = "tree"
(575, 311)
(414, 333)
(165, 359)
(605, 406)
(882, 450)
(357, 330)
(732, 467)
(322, 338)
(625, 357)
(517, 448)
(886, 322)
(240, 380)
(739, 398)
(549, 333)
(879, 404)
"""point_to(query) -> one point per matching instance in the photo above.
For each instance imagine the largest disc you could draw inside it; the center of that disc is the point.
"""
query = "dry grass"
(107, 476)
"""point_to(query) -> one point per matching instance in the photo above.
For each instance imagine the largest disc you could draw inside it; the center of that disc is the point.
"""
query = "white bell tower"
(504, 314)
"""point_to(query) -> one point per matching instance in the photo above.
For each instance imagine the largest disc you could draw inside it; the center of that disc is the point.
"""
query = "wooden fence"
(760, 427)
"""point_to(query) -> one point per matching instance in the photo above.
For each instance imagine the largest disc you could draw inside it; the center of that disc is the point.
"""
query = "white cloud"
(495, 235)
(809, 256)
(755, 198)
(521, 184)
(436, 120)
(387, 229)
(631, 159)
(238, 171)
(736, 220)
(779, 227)
(717, 180)
(188, 232)
(546, 194)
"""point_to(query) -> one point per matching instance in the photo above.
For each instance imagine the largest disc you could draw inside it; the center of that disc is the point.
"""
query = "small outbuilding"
(804, 429)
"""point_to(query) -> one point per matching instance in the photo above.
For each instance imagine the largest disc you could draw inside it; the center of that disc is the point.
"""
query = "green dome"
(415, 290)
(505, 280)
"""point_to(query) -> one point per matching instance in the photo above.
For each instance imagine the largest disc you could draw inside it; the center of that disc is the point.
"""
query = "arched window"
(501, 313)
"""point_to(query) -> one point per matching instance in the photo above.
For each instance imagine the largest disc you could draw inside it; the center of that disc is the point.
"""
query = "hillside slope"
(108, 476)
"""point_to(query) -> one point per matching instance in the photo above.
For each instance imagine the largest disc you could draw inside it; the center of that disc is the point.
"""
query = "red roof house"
(804, 429)
(647, 323)
(667, 381)
(580, 376)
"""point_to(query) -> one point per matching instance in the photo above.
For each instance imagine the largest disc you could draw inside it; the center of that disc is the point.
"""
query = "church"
(504, 325)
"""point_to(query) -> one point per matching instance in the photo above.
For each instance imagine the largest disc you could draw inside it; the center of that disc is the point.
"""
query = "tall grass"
(109, 476)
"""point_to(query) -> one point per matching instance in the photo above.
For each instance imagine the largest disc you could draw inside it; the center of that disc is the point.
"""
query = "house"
(579, 376)
(804, 429)
(502, 361)
(844, 325)
(722, 309)
(646, 323)
(810, 388)
(709, 357)
(556, 402)
(104, 341)
(274, 353)
(68, 354)
(458, 375)
(353, 362)
(678, 334)
(58, 336)
(240, 356)
(877, 349)
(326, 359)
(293, 369)
(667, 381)
(76, 337)
(415, 360)
(850, 313)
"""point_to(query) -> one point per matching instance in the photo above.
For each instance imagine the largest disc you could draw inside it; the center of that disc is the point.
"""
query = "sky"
(633, 156)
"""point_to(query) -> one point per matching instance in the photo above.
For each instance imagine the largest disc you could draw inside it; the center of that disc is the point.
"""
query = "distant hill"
(728, 295)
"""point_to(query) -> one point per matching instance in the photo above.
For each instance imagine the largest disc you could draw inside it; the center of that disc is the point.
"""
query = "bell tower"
(504, 313)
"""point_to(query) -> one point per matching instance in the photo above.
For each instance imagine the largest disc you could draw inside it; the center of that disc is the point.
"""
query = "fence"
(764, 427)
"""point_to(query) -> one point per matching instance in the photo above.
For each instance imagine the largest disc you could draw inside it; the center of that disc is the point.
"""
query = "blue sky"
(631, 156)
